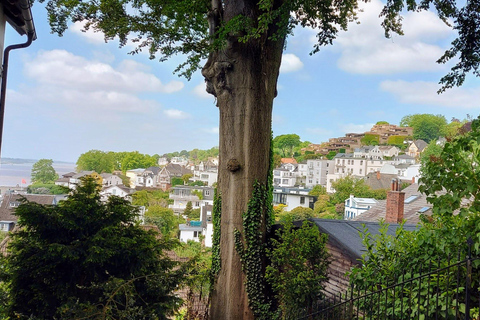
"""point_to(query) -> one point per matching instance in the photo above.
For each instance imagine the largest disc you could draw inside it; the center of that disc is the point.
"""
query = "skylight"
(411, 198)
(424, 209)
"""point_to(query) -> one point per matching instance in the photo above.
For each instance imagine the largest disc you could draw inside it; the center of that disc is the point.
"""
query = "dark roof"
(345, 234)
(420, 144)
(19, 16)
(154, 170)
(411, 210)
(7, 212)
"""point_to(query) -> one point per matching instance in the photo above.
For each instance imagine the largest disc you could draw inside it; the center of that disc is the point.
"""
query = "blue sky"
(67, 95)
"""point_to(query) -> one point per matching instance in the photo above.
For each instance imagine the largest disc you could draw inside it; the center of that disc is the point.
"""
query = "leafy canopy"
(425, 126)
(67, 260)
(43, 172)
(168, 28)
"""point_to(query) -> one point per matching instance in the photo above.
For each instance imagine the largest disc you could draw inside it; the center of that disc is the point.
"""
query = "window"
(361, 162)
(4, 227)
(197, 204)
(285, 181)
(114, 191)
(197, 233)
(360, 171)
(302, 200)
(207, 192)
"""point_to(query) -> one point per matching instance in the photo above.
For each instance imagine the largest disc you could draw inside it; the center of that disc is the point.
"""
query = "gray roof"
(7, 213)
(184, 227)
(420, 144)
(411, 209)
(385, 181)
(345, 234)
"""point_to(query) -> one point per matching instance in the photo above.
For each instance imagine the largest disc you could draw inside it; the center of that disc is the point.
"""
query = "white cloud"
(356, 128)
(365, 50)
(176, 114)
(66, 70)
(290, 63)
(90, 35)
(421, 92)
(200, 91)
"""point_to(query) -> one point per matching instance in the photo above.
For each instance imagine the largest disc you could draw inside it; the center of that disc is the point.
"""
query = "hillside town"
(376, 164)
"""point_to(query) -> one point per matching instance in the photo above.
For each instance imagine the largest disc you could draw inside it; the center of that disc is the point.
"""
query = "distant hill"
(17, 161)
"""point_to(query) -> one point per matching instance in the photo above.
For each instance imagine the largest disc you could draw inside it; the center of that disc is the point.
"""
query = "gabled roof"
(154, 170)
(379, 180)
(7, 212)
(412, 206)
(288, 160)
(420, 144)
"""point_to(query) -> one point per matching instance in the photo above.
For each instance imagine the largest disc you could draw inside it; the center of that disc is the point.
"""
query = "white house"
(285, 175)
(198, 196)
(117, 190)
(315, 171)
(192, 230)
(135, 176)
(109, 179)
(293, 197)
(356, 206)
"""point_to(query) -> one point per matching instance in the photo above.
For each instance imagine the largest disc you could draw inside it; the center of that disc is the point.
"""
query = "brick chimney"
(378, 175)
(395, 204)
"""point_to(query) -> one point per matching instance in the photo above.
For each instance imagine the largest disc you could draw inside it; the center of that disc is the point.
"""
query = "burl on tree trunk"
(243, 79)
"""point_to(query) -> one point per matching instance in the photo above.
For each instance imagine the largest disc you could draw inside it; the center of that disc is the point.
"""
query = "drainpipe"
(21, 20)
(4, 79)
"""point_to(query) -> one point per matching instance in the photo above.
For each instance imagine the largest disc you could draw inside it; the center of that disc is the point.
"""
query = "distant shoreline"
(27, 161)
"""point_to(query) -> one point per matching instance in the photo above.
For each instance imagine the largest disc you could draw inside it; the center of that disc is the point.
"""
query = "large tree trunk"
(243, 78)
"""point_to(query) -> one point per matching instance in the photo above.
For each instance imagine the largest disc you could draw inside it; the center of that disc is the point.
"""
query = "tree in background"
(135, 160)
(186, 177)
(96, 160)
(317, 190)
(370, 140)
(149, 198)
(188, 209)
(398, 141)
(244, 41)
(348, 185)
(298, 269)
(285, 143)
(165, 219)
(68, 261)
(425, 126)
(43, 172)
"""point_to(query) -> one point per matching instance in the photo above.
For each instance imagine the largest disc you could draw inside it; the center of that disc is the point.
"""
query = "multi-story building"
(198, 196)
(286, 175)
(315, 171)
(293, 197)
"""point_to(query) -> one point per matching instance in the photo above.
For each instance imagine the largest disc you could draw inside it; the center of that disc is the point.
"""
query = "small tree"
(43, 172)
(66, 260)
(188, 209)
(298, 269)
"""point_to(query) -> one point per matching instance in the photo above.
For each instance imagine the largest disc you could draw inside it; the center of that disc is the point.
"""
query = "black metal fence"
(434, 292)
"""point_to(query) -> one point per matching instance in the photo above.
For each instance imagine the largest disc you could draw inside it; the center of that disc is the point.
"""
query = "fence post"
(468, 279)
(350, 311)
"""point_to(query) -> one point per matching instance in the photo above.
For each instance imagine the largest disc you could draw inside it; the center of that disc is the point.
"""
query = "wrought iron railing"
(434, 292)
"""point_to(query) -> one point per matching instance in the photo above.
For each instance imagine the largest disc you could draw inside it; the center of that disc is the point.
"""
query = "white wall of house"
(356, 206)
(190, 233)
(317, 171)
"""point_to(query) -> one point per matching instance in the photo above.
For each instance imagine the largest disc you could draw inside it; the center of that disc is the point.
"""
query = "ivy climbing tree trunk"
(243, 78)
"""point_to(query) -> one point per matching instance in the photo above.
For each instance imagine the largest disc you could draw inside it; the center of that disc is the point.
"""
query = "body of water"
(12, 175)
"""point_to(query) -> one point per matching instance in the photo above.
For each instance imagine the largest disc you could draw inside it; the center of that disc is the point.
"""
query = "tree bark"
(243, 78)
